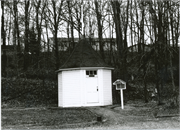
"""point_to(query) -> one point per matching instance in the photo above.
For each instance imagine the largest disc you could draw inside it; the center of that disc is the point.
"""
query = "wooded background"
(29, 58)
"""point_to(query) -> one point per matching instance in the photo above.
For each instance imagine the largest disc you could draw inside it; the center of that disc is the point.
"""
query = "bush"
(31, 73)
(28, 91)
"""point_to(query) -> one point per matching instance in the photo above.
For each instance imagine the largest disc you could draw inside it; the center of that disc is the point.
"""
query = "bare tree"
(26, 42)
(118, 27)
(55, 10)
(39, 10)
(71, 21)
(142, 43)
(16, 26)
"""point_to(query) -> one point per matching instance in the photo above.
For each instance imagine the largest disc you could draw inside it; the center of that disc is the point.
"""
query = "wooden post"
(122, 104)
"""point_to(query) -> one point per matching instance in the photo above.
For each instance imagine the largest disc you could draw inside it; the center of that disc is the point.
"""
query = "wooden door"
(92, 87)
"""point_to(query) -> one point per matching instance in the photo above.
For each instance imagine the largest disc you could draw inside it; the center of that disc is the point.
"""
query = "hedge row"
(28, 91)
(31, 74)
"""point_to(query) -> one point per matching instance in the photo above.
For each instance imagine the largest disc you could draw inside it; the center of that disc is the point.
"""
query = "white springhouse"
(84, 79)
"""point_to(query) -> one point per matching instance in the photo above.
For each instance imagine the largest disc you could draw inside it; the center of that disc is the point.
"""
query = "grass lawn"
(135, 115)
(57, 117)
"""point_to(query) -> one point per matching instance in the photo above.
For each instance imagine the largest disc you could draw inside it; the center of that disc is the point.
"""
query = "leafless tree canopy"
(139, 38)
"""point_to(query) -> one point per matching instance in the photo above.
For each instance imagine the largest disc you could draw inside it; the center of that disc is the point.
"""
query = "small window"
(91, 73)
(95, 72)
(87, 72)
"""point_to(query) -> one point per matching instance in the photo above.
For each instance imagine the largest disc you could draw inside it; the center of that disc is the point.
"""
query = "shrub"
(29, 91)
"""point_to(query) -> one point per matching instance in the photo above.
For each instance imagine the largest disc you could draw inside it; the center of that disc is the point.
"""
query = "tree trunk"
(118, 28)
(3, 34)
(156, 50)
(71, 24)
(57, 12)
(171, 24)
(56, 48)
(131, 26)
(78, 21)
(99, 19)
(17, 37)
(26, 42)
(142, 6)
(38, 28)
(177, 28)
(10, 26)
(138, 29)
(69, 41)
(48, 46)
(125, 49)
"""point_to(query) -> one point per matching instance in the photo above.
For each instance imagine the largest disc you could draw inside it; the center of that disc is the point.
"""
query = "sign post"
(122, 103)
(120, 85)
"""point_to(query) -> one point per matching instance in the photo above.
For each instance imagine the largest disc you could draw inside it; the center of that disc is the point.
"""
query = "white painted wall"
(100, 85)
(107, 87)
(60, 89)
(71, 88)
(83, 89)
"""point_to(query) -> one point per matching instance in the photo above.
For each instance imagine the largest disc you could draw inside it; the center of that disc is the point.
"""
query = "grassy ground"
(44, 117)
(135, 115)
(138, 115)
(150, 109)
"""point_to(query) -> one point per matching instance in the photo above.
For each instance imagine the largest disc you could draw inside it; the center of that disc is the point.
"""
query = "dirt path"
(108, 116)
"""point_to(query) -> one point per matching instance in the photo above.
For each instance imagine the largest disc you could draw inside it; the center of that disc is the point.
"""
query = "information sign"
(120, 85)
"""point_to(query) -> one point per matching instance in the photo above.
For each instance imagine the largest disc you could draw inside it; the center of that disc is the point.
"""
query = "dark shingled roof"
(84, 56)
